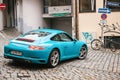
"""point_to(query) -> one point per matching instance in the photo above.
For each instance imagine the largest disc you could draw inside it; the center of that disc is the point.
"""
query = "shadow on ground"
(31, 66)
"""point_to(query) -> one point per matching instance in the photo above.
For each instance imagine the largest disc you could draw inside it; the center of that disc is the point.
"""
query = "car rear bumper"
(26, 59)
(33, 56)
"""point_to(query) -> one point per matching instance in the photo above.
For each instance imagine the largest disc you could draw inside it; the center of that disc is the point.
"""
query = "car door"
(68, 45)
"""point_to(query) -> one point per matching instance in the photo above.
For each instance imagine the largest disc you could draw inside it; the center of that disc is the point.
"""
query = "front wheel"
(83, 53)
(96, 44)
(54, 58)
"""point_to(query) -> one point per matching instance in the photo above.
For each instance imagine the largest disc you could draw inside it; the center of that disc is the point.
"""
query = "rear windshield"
(38, 34)
(32, 36)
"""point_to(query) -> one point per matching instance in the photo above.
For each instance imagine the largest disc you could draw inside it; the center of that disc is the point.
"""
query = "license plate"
(16, 53)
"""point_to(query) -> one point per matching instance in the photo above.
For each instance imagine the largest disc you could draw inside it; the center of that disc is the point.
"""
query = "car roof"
(51, 30)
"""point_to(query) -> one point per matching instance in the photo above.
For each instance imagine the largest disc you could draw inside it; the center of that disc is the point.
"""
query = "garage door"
(62, 24)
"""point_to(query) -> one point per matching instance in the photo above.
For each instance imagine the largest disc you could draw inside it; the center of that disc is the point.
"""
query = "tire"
(96, 44)
(112, 47)
(83, 53)
(54, 58)
(15, 61)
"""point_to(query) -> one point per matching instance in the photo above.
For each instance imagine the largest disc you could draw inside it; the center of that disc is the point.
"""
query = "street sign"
(104, 16)
(2, 6)
(103, 21)
(104, 10)
(115, 4)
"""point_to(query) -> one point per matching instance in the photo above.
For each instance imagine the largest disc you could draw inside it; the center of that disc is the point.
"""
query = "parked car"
(45, 46)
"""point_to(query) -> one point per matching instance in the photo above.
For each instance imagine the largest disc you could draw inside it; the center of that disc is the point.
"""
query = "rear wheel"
(54, 58)
(83, 53)
(96, 44)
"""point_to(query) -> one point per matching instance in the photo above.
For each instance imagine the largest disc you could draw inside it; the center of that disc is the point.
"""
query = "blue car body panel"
(69, 49)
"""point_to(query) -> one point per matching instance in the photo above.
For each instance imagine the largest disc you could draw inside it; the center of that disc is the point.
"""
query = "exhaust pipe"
(28, 61)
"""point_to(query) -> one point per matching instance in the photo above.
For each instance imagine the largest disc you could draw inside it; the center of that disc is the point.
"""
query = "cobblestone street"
(99, 65)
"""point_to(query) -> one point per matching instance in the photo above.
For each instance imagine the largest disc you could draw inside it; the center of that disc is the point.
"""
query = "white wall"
(20, 16)
(88, 22)
(32, 14)
(1, 20)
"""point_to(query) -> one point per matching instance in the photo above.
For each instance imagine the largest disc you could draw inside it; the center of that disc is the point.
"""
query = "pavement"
(99, 65)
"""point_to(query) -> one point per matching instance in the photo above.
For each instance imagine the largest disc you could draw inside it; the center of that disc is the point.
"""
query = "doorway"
(62, 24)
(10, 14)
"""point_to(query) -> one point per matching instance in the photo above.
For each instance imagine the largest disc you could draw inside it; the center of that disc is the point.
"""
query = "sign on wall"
(104, 10)
(2, 6)
(59, 9)
(115, 4)
(103, 16)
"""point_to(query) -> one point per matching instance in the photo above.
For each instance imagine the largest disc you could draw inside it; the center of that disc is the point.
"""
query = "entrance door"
(10, 13)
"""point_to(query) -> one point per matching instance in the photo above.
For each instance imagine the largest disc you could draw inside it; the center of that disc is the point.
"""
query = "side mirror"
(75, 40)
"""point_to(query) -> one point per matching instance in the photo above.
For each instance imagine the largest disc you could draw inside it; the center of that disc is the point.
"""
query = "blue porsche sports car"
(45, 46)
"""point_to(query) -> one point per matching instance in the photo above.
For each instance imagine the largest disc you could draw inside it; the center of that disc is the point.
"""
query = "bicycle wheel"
(96, 44)
(112, 47)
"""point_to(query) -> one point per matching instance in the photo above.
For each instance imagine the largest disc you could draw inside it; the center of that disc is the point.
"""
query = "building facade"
(89, 18)
(78, 17)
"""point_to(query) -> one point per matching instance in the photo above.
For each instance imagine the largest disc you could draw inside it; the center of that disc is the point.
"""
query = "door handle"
(65, 47)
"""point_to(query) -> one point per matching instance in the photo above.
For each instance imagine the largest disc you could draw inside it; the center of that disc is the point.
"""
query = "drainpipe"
(77, 20)
(1, 19)
(75, 29)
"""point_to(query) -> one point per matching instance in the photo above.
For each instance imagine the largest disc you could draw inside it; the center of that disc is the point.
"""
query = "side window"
(65, 37)
(56, 38)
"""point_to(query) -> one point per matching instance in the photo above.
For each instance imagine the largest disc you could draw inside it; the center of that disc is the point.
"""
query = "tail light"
(6, 43)
(36, 47)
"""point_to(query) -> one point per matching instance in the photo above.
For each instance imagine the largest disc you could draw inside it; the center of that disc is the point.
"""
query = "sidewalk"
(5, 36)
(9, 33)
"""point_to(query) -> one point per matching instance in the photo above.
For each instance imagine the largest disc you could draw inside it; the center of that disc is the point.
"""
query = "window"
(54, 2)
(48, 3)
(35, 35)
(62, 38)
(56, 38)
(114, 5)
(65, 37)
(87, 5)
(60, 2)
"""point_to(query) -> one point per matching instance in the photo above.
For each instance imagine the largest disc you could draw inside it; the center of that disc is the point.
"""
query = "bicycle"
(97, 44)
